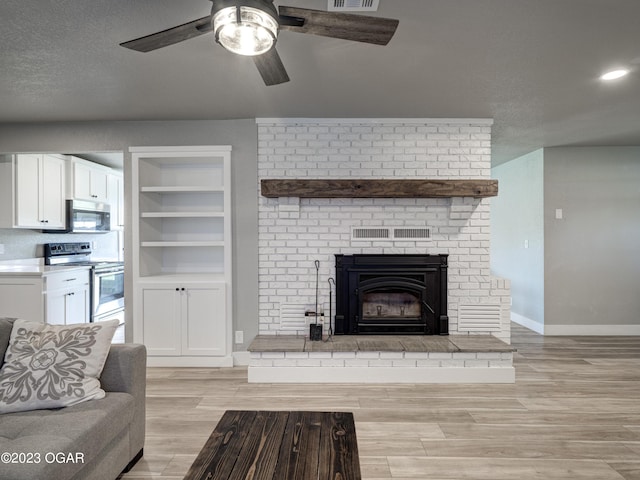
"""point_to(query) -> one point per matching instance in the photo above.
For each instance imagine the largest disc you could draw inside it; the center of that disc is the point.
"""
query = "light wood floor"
(573, 413)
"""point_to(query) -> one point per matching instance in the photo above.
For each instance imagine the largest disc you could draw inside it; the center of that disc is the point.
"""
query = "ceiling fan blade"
(359, 28)
(170, 36)
(271, 68)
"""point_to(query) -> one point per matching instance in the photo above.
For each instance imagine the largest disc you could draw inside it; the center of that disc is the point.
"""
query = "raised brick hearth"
(381, 359)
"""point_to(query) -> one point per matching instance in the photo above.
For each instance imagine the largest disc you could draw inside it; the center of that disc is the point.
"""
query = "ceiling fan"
(250, 27)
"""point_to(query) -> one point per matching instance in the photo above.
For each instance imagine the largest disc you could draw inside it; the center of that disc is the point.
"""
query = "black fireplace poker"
(331, 281)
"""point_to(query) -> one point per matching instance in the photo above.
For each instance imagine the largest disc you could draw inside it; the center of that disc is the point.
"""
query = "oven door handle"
(100, 273)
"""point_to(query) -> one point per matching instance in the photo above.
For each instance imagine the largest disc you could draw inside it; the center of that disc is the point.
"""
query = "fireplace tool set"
(315, 328)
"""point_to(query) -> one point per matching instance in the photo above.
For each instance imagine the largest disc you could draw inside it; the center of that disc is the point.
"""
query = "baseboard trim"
(226, 361)
(528, 323)
(383, 375)
(576, 330)
(593, 330)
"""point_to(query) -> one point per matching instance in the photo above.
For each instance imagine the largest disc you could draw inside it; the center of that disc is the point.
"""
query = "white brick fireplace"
(294, 232)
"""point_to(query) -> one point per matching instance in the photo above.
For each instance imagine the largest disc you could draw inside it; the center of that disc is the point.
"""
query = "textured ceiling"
(531, 65)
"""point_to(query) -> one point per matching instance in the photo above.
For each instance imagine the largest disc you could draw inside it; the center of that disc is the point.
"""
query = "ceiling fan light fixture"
(614, 74)
(245, 30)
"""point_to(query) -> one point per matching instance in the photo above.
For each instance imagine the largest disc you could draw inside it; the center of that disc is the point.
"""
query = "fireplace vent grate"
(292, 317)
(479, 318)
(370, 233)
(412, 233)
(390, 234)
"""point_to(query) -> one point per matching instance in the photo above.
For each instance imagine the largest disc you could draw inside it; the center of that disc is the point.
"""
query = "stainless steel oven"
(107, 280)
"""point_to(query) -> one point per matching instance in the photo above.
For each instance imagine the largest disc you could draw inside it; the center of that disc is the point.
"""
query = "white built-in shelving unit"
(182, 254)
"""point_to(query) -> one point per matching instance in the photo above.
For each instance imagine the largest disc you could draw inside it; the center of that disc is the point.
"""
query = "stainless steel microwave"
(85, 216)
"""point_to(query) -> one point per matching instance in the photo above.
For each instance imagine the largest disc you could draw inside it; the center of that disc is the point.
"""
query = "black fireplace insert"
(391, 294)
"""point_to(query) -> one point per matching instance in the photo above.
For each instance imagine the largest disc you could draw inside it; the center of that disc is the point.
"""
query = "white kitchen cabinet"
(88, 180)
(34, 191)
(67, 298)
(183, 320)
(57, 295)
(182, 239)
(116, 200)
(21, 297)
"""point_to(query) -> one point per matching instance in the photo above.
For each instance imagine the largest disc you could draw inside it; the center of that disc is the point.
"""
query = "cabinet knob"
(177, 289)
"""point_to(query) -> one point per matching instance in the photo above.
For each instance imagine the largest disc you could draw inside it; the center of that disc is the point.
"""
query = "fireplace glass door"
(390, 304)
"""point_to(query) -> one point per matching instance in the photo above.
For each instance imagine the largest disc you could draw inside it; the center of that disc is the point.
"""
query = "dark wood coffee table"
(264, 445)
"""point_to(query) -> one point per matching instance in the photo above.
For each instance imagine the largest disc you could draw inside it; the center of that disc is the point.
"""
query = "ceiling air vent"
(353, 5)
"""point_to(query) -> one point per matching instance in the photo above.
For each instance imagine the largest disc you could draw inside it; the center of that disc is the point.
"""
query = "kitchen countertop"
(35, 268)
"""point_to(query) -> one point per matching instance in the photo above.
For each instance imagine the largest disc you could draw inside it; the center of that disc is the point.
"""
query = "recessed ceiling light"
(614, 74)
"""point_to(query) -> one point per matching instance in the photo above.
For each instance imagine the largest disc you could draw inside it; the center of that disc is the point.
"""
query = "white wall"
(293, 233)
(517, 236)
(585, 274)
(592, 255)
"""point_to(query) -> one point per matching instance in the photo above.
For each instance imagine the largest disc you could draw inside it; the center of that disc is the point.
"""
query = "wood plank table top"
(271, 445)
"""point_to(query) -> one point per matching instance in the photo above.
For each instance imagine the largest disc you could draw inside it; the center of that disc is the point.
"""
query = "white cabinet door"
(203, 320)
(77, 306)
(40, 181)
(89, 183)
(27, 168)
(53, 197)
(99, 186)
(161, 311)
(56, 307)
(81, 181)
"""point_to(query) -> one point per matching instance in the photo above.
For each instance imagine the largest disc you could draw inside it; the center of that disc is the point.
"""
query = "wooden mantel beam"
(370, 188)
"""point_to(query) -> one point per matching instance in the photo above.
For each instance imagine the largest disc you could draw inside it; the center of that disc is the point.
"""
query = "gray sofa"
(96, 439)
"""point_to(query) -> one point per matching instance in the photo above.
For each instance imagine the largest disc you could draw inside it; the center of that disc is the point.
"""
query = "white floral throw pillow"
(52, 366)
